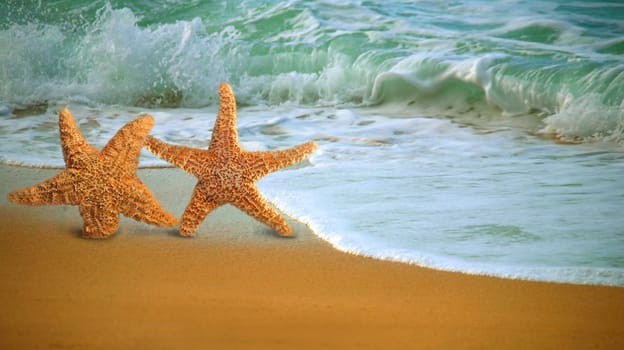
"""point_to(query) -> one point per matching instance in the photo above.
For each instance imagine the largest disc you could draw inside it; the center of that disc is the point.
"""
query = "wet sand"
(237, 285)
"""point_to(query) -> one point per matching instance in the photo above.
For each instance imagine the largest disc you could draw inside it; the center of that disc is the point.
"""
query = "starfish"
(102, 184)
(226, 173)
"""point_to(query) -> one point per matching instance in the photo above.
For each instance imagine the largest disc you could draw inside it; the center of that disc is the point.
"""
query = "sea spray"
(274, 54)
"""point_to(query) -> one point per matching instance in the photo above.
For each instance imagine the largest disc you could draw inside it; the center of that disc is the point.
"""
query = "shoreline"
(238, 285)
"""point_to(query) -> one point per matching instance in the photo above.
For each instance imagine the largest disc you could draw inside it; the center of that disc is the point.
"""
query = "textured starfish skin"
(102, 184)
(227, 174)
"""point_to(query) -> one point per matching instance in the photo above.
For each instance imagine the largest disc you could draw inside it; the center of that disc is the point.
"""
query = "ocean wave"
(276, 54)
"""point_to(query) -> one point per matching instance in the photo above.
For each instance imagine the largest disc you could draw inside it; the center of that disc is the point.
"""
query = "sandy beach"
(238, 285)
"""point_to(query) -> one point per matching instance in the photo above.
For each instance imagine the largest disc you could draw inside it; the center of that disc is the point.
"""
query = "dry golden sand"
(237, 285)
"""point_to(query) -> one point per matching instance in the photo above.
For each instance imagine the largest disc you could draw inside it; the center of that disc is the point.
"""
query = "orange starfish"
(103, 184)
(227, 174)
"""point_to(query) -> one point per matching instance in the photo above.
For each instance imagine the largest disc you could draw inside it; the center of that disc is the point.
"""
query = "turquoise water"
(474, 136)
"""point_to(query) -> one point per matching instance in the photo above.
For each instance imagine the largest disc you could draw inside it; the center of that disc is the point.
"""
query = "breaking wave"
(292, 54)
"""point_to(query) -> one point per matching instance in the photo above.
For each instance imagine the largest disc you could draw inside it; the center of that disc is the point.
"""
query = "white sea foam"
(491, 200)
(588, 119)
(465, 202)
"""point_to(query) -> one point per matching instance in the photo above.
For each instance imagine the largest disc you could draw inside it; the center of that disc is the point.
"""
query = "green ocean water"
(546, 58)
(475, 136)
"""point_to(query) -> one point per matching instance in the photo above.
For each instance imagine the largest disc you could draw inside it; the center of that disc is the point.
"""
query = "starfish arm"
(225, 133)
(263, 163)
(199, 207)
(123, 150)
(141, 205)
(60, 189)
(100, 220)
(76, 151)
(185, 158)
(251, 202)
